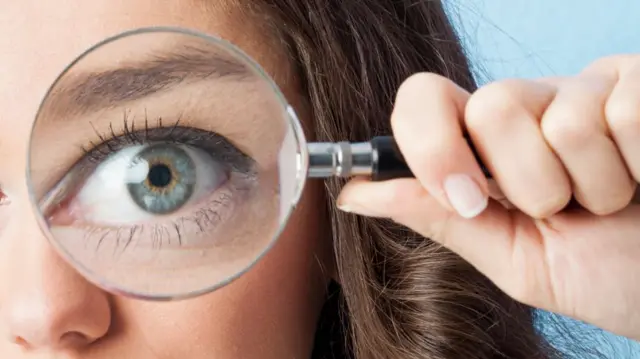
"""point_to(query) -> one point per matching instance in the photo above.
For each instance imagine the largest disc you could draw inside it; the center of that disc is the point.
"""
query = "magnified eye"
(140, 182)
(156, 187)
(191, 163)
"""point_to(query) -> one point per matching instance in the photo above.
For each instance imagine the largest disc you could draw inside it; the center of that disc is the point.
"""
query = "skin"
(47, 310)
(581, 133)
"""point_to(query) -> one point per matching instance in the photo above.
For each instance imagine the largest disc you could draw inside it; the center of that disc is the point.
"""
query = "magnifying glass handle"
(388, 162)
(379, 158)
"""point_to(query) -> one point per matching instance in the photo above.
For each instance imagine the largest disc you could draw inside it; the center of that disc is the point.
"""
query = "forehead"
(47, 35)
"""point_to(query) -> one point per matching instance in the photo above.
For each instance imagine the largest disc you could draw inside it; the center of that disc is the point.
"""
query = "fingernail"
(465, 195)
(357, 209)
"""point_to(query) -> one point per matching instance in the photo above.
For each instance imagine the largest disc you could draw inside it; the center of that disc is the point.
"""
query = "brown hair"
(400, 295)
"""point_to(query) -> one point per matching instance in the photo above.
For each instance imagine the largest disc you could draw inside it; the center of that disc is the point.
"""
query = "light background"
(531, 38)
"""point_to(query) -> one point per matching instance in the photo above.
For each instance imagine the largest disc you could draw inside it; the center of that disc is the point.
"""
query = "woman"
(341, 64)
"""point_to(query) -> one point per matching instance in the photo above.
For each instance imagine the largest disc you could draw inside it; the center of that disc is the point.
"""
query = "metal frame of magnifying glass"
(302, 164)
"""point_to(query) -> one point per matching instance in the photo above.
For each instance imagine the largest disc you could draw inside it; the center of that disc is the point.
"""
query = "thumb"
(403, 200)
(511, 258)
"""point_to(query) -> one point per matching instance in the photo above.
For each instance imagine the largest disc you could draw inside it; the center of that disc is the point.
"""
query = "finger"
(613, 64)
(503, 122)
(398, 198)
(426, 125)
(622, 111)
(574, 126)
(553, 264)
(515, 264)
(496, 194)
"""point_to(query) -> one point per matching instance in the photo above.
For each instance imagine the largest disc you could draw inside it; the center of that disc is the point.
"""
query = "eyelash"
(202, 218)
(211, 142)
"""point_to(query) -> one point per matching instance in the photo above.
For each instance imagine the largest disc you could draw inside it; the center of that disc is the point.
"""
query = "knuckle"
(567, 126)
(602, 63)
(493, 104)
(609, 62)
(622, 113)
(418, 84)
(412, 92)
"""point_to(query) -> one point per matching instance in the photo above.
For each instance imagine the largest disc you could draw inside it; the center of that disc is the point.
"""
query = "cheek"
(273, 308)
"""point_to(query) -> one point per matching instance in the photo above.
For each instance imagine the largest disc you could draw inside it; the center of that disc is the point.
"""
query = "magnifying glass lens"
(164, 163)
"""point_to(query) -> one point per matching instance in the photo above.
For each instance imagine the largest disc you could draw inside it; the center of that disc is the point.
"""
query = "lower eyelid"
(224, 198)
(192, 226)
(200, 220)
(191, 239)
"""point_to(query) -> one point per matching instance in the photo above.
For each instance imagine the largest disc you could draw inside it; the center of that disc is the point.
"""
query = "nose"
(44, 303)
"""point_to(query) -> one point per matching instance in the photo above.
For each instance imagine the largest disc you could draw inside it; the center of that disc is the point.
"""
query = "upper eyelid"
(131, 132)
(229, 154)
(191, 136)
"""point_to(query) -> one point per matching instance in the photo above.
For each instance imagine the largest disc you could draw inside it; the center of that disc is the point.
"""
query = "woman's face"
(47, 310)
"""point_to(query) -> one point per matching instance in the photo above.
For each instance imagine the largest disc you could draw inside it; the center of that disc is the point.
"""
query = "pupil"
(160, 175)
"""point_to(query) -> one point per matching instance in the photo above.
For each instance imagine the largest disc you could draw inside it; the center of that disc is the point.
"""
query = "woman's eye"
(178, 188)
(4, 210)
(139, 183)
(163, 207)
(3, 198)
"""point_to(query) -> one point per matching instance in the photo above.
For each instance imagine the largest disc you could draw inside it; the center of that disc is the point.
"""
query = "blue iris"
(170, 180)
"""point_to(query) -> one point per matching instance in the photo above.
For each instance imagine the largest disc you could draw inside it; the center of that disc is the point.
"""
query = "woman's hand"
(545, 142)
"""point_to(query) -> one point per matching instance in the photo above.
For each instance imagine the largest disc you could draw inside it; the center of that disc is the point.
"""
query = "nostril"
(21, 342)
(67, 340)
(73, 340)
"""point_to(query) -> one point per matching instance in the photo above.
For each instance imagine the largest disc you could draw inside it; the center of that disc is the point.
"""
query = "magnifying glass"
(165, 163)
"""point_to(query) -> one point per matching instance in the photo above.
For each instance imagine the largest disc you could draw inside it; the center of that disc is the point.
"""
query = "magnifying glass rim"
(302, 164)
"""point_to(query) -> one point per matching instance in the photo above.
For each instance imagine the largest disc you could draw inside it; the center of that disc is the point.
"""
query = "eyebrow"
(163, 71)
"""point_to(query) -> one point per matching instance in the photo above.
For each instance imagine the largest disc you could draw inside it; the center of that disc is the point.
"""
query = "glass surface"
(164, 163)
